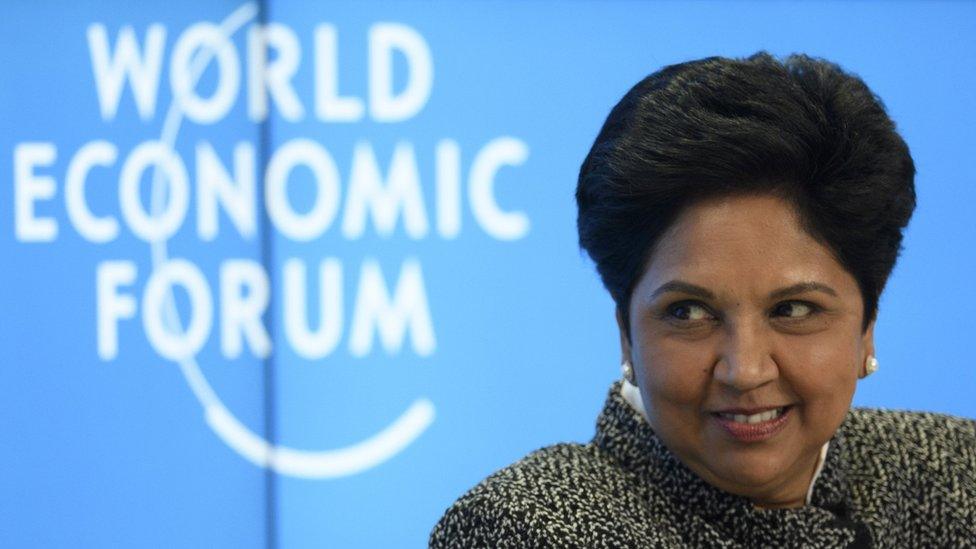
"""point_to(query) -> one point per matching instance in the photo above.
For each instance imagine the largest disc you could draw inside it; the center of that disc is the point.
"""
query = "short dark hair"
(802, 129)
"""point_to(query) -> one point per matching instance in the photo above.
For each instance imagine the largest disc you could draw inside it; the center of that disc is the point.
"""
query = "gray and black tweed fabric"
(890, 479)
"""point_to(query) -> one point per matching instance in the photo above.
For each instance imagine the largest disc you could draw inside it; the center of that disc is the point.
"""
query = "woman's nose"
(745, 361)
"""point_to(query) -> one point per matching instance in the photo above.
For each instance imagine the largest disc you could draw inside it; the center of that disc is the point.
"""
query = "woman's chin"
(759, 474)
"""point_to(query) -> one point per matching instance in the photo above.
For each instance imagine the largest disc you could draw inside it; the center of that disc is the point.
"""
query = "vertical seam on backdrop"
(268, 370)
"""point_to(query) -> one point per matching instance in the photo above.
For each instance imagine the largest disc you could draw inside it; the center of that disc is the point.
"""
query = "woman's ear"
(867, 343)
(624, 340)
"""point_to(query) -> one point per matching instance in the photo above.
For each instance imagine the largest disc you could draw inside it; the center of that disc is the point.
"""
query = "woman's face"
(741, 316)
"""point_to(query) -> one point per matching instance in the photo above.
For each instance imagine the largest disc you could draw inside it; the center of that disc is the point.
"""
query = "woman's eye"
(689, 311)
(793, 309)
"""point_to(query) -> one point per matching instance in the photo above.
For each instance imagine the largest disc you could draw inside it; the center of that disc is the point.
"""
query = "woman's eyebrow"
(679, 286)
(803, 287)
(684, 288)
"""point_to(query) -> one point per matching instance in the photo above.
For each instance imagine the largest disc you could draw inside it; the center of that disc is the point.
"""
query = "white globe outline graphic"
(284, 460)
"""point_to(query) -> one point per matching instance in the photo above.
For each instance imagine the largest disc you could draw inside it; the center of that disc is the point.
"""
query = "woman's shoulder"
(916, 443)
(911, 432)
(561, 495)
(915, 470)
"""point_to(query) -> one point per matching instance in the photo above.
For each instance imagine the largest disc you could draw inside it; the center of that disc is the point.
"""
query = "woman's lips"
(753, 432)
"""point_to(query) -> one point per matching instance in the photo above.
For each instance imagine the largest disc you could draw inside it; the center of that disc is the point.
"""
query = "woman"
(744, 215)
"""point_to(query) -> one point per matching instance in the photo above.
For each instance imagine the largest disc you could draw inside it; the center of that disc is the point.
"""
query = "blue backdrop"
(299, 274)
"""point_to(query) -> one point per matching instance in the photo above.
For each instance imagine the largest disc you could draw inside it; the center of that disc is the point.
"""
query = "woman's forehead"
(742, 243)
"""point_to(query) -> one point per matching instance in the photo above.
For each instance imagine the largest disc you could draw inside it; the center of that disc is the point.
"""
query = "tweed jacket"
(890, 479)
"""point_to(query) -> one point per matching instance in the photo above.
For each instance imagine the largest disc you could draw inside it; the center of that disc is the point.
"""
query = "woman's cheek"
(825, 367)
(824, 388)
(678, 373)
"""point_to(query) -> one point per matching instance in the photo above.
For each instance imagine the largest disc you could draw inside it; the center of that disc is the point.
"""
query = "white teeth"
(754, 418)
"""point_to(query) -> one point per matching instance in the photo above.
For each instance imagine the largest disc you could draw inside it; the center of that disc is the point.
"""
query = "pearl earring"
(870, 365)
(628, 372)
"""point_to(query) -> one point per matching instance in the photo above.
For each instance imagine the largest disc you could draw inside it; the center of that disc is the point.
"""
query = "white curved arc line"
(349, 460)
(327, 463)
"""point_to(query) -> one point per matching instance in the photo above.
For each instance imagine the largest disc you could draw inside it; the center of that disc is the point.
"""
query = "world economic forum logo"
(129, 65)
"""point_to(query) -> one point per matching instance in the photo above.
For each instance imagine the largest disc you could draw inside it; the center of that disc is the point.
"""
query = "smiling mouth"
(757, 427)
(761, 417)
